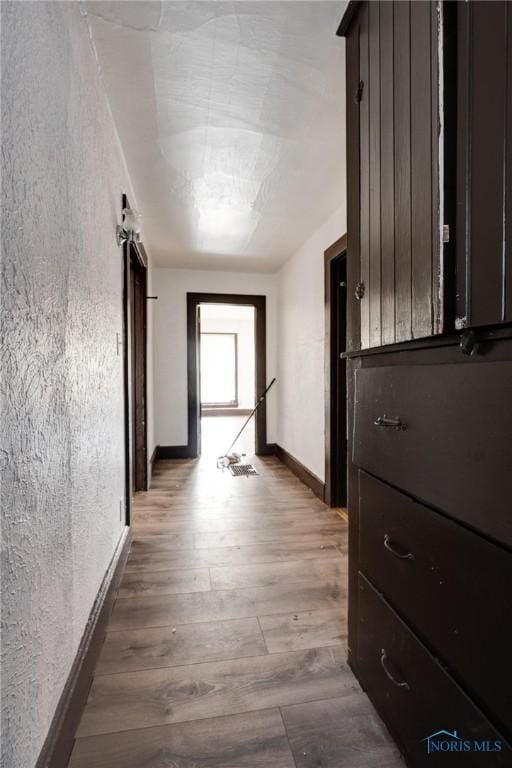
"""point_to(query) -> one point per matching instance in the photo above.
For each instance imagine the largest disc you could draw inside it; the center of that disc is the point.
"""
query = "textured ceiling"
(231, 116)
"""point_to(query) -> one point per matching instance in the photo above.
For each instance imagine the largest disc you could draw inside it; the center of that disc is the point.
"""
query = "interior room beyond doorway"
(227, 377)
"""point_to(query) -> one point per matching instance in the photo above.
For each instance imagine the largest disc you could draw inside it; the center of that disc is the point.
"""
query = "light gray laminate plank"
(306, 629)
(340, 733)
(164, 610)
(281, 522)
(171, 695)
(163, 560)
(156, 543)
(270, 574)
(133, 649)
(320, 533)
(225, 519)
(172, 582)
(254, 740)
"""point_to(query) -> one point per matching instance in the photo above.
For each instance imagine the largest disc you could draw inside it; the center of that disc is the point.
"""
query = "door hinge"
(358, 96)
(446, 233)
(359, 292)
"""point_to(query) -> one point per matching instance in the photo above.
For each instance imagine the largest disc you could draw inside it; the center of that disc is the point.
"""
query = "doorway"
(335, 264)
(135, 369)
(226, 377)
(226, 344)
(137, 353)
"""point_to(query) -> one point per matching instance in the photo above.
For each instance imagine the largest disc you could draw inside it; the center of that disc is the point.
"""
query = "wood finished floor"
(226, 646)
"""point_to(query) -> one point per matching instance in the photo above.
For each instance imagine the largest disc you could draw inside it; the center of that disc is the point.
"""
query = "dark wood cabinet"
(425, 564)
(415, 124)
(417, 693)
(484, 192)
(396, 92)
(429, 368)
(452, 418)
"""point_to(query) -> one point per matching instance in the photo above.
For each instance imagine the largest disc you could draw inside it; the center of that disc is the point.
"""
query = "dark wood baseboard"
(59, 742)
(174, 452)
(302, 472)
(269, 449)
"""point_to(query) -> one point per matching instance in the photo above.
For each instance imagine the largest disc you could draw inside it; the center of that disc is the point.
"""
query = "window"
(219, 373)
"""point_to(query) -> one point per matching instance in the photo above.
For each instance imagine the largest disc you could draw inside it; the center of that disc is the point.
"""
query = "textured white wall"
(170, 342)
(62, 391)
(301, 338)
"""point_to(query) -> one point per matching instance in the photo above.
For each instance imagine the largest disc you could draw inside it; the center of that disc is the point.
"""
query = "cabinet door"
(397, 245)
(484, 194)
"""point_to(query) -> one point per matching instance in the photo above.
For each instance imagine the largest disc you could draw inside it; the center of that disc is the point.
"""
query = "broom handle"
(261, 399)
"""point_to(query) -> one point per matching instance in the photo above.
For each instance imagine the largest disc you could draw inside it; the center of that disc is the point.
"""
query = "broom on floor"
(233, 458)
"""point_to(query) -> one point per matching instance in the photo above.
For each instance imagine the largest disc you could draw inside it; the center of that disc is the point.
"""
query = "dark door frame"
(194, 401)
(335, 383)
(134, 257)
(138, 329)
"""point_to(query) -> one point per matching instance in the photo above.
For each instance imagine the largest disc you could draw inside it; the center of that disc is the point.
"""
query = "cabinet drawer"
(449, 583)
(453, 446)
(413, 693)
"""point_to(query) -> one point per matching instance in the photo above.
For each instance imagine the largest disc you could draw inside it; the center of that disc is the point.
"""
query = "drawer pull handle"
(390, 548)
(398, 683)
(386, 421)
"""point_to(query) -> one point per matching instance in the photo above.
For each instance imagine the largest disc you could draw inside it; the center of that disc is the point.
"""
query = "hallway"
(226, 646)
(210, 205)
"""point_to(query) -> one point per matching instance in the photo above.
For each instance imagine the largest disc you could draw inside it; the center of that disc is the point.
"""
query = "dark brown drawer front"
(413, 694)
(454, 450)
(453, 586)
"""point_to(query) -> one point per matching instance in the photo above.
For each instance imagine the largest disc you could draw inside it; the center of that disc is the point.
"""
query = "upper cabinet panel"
(484, 185)
(394, 220)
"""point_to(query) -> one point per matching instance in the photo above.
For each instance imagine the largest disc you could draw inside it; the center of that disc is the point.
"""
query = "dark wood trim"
(482, 335)
(486, 352)
(352, 148)
(134, 259)
(349, 14)
(302, 472)
(127, 385)
(138, 328)
(59, 742)
(259, 304)
(353, 76)
(173, 452)
(453, 139)
(336, 249)
(141, 254)
(269, 450)
(334, 454)
(353, 511)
